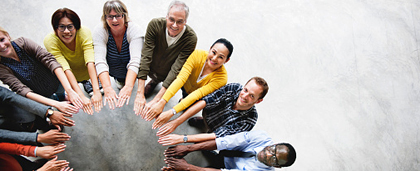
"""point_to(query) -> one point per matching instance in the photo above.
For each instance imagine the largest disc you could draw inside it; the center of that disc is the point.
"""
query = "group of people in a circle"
(46, 82)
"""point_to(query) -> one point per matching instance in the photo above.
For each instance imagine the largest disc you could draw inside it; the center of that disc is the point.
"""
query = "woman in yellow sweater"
(72, 46)
(202, 73)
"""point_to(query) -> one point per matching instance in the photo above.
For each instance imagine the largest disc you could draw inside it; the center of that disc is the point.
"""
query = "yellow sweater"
(188, 78)
(75, 60)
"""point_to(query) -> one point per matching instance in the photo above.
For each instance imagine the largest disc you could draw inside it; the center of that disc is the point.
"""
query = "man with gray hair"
(169, 41)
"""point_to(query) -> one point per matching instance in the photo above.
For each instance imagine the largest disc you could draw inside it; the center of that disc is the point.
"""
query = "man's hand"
(87, 105)
(53, 137)
(171, 139)
(58, 119)
(48, 152)
(178, 151)
(139, 103)
(155, 110)
(167, 129)
(147, 107)
(164, 168)
(162, 119)
(177, 164)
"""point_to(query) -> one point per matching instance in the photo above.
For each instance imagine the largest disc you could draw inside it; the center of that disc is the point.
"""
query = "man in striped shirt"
(228, 110)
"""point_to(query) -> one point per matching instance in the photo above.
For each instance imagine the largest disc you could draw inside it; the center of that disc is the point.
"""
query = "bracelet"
(35, 151)
(173, 111)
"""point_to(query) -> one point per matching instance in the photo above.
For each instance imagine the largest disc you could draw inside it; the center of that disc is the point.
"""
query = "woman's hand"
(75, 98)
(155, 110)
(54, 165)
(59, 118)
(87, 105)
(66, 107)
(48, 152)
(110, 97)
(171, 139)
(124, 95)
(97, 100)
(162, 119)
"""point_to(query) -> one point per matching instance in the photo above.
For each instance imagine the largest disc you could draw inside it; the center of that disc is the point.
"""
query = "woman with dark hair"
(202, 73)
(118, 43)
(72, 46)
(31, 71)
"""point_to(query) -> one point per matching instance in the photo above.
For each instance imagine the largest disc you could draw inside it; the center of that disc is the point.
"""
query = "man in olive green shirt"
(168, 44)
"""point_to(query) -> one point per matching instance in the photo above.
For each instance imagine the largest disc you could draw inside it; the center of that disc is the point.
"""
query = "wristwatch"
(185, 138)
(173, 111)
(49, 112)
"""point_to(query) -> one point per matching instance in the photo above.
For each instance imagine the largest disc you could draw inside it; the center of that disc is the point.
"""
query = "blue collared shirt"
(253, 141)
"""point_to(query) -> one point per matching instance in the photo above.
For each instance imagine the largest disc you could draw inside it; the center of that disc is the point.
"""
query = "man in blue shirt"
(267, 154)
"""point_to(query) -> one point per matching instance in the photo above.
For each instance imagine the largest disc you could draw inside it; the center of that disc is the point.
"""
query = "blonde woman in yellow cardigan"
(202, 73)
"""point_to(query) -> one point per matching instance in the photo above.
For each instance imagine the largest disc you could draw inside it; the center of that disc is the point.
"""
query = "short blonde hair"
(4, 32)
(119, 7)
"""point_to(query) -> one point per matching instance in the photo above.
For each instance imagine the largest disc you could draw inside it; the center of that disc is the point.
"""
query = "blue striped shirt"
(32, 73)
(117, 61)
(221, 118)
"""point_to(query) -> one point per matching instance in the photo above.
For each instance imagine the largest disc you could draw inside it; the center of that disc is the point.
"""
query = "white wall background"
(343, 75)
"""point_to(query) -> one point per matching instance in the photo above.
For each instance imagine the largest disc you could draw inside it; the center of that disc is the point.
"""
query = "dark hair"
(261, 82)
(225, 42)
(65, 12)
(291, 154)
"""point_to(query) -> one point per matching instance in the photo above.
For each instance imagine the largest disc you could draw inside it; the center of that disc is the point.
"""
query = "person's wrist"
(39, 138)
(185, 138)
(173, 111)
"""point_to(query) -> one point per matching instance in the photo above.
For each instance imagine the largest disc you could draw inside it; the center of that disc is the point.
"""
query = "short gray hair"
(180, 5)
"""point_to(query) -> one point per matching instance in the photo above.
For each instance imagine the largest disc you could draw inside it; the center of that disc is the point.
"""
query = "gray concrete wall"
(343, 75)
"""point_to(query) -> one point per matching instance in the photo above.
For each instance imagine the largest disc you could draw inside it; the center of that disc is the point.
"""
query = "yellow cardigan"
(188, 78)
(75, 60)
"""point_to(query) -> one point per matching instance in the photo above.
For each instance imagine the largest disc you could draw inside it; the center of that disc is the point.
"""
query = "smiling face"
(116, 25)
(175, 21)
(249, 96)
(274, 155)
(66, 36)
(217, 56)
(6, 48)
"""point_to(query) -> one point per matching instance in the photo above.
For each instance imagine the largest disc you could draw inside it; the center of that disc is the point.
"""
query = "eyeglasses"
(69, 27)
(273, 158)
(111, 17)
(179, 22)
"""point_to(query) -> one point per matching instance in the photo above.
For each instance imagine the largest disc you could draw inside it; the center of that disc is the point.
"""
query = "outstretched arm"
(125, 93)
(140, 100)
(64, 107)
(180, 151)
(87, 104)
(109, 93)
(73, 96)
(97, 96)
(172, 125)
(173, 139)
(181, 164)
